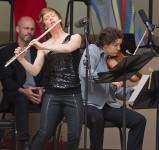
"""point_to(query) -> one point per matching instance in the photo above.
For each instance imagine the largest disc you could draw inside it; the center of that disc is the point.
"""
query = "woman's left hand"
(36, 44)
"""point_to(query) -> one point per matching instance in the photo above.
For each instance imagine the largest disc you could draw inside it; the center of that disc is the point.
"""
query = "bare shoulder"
(76, 36)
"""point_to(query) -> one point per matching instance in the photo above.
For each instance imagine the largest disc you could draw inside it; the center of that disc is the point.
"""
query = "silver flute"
(15, 57)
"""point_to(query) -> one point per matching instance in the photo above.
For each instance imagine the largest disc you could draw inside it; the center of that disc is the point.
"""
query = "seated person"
(102, 104)
(20, 89)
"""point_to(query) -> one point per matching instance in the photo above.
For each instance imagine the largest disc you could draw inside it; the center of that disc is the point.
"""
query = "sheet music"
(138, 88)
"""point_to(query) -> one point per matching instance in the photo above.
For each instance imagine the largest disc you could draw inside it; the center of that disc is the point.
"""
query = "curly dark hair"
(108, 36)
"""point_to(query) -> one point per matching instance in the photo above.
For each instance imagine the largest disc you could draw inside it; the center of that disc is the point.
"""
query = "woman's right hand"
(36, 44)
(18, 51)
(117, 84)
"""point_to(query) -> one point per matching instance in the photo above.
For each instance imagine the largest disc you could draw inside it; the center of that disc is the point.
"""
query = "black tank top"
(63, 71)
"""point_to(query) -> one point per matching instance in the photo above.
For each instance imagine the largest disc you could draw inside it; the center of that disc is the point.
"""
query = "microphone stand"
(154, 46)
(88, 78)
(150, 42)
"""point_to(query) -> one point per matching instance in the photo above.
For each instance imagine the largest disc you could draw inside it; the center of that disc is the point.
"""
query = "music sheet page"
(138, 88)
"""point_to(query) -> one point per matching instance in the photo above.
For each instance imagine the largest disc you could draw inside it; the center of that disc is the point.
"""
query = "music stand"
(148, 99)
(122, 72)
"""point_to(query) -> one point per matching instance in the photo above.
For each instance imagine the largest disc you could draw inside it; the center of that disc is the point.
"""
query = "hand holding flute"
(19, 51)
(32, 43)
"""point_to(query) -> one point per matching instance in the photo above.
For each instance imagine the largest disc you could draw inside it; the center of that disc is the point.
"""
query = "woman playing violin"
(102, 104)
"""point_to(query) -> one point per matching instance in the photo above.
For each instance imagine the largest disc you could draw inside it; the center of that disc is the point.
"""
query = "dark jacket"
(14, 75)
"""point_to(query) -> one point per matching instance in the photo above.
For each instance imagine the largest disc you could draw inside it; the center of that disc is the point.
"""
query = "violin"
(114, 60)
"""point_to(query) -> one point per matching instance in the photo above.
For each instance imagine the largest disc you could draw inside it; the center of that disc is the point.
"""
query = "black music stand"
(122, 72)
(149, 98)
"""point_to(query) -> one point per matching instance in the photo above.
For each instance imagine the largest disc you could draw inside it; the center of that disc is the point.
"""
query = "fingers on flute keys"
(18, 53)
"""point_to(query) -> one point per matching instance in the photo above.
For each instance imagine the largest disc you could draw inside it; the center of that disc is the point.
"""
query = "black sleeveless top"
(63, 77)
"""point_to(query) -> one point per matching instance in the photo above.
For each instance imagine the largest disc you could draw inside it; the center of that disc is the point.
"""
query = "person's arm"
(94, 58)
(120, 92)
(42, 78)
(73, 44)
(34, 68)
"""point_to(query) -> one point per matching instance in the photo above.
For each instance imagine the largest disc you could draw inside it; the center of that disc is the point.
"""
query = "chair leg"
(1, 137)
(2, 131)
(15, 135)
(9, 125)
(3, 115)
(121, 137)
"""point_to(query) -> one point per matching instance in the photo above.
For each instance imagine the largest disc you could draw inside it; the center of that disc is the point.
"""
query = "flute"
(15, 57)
